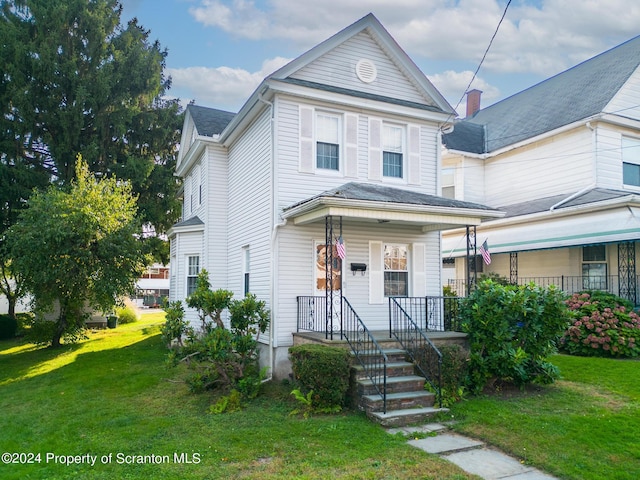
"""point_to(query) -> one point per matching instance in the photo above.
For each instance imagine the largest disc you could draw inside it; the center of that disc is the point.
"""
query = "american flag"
(484, 250)
(340, 248)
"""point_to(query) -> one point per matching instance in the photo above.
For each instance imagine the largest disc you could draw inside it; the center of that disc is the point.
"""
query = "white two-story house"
(562, 159)
(340, 147)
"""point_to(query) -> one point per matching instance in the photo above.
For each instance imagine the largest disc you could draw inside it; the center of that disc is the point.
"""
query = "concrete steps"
(407, 400)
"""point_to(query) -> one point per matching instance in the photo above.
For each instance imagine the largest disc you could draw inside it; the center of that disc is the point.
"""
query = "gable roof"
(209, 121)
(381, 36)
(573, 95)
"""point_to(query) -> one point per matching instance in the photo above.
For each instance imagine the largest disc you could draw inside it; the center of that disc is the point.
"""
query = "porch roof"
(592, 216)
(383, 204)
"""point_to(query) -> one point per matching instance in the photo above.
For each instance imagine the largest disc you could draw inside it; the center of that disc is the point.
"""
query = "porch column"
(472, 273)
(513, 268)
(333, 292)
(627, 271)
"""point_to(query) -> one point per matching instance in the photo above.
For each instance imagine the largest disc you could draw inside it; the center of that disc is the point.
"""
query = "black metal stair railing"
(366, 349)
(425, 355)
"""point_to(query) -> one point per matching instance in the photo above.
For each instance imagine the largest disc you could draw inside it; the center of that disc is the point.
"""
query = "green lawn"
(584, 427)
(112, 397)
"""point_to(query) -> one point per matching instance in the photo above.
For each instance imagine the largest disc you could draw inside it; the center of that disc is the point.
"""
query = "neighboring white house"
(562, 159)
(152, 288)
(341, 146)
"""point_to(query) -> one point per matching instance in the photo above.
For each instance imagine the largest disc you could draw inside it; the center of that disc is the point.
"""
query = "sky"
(220, 50)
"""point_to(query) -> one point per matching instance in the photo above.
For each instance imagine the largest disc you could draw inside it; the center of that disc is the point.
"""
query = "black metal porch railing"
(425, 355)
(366, 349)
(575, 283)
(312, 317)
(432, 314)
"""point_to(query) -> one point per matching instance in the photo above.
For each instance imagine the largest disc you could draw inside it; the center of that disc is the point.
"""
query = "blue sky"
(220, 50)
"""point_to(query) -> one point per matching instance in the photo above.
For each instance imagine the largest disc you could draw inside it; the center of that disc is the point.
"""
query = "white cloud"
(221, 87)
(537, 37)
(541, 37)
(450, 84)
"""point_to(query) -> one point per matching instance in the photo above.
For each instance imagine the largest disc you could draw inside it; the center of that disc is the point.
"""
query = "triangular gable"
(364, 57)
(626, 101)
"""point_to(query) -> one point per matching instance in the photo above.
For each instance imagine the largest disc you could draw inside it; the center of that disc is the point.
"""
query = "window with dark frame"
(594, 267)
(193, 269)
(392, 151)
(631, 161)
(327, 141)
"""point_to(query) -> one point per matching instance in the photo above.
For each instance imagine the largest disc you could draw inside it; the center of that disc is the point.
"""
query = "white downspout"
(274, 231)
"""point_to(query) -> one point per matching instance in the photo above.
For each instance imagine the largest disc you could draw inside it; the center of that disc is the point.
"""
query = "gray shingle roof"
(381, 193)
(360, 94)
(570, 96)
(544, 204)
(209, 121)
(190, 222)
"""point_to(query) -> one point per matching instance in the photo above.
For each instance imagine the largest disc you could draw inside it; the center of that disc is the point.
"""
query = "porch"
(392, 366)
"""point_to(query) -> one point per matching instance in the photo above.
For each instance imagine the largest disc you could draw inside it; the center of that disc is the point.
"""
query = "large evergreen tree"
(73, 80)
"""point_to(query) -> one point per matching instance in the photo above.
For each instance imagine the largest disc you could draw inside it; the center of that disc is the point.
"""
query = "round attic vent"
(366, 71)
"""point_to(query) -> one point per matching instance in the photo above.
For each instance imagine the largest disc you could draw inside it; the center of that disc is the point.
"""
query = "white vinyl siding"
(249, 208)
(215, 196)
(337, 68)
(562, 165)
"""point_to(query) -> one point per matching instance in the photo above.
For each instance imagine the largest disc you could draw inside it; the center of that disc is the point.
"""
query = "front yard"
(111, 400)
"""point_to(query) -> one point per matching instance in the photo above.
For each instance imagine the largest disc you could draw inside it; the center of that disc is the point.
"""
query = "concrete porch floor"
(381, 336)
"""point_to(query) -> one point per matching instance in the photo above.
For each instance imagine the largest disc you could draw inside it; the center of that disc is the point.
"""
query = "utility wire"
(483, 57)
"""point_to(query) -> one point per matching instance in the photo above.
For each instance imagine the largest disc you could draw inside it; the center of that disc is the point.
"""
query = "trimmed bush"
(126, 315)
(323, 369)
(603, 326)
(511, 331)
(8, 327)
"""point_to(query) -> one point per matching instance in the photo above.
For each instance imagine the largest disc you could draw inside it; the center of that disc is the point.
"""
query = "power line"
(483, 57)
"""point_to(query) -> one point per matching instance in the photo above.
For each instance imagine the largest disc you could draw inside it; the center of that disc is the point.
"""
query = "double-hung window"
(327, 141)
(631, 161)
(594, 267)
(448, 183)
(392, 151)
(193, 269)
(396, 273)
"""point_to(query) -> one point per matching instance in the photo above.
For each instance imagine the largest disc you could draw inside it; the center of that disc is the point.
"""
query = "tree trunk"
(12, 305)
(61, 326)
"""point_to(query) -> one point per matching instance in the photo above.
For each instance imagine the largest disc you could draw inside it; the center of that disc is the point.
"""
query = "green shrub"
(25, 320)
(511, 331)
(603, 326)
(219, 358)
(41, 331)
(323, 369)
(8, 327)
(453, 373)
(126, 315)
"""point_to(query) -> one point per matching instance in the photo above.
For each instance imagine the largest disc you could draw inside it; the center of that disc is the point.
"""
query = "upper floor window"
(631, 161)
(392, 151)
(327, 141)
(448, 183)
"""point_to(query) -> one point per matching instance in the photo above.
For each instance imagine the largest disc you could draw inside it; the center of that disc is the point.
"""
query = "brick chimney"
(473, 101)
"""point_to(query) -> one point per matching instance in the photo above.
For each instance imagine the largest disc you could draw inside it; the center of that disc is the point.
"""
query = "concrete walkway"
(471, 455)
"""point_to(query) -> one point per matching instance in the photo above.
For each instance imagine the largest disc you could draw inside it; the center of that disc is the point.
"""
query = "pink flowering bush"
(604, 326)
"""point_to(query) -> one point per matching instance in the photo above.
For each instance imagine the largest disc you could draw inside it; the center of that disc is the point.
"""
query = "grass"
(584, 427)
(112, 397)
